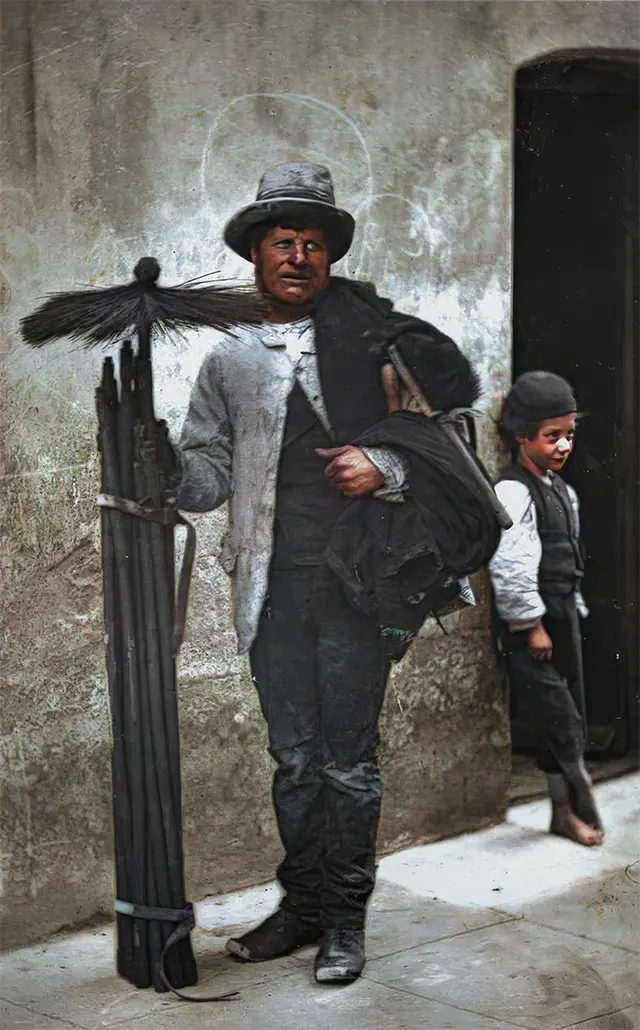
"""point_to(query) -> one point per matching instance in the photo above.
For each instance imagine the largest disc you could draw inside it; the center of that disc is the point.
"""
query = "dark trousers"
(320, 670)
(550, 695)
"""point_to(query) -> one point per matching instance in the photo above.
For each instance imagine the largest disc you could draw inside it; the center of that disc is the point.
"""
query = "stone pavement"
(508, 927)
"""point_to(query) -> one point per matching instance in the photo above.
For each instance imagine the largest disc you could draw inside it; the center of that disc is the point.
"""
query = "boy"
(536, 574)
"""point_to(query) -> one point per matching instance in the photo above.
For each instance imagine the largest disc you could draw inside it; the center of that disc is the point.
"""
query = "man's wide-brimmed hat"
(299, 191)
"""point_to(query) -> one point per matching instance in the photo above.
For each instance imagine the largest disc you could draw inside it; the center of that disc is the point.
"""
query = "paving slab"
(297, 1003)
(518, 972)
(625, 1019)
(228, 914)
(518, 863)
(74, 977)
(619, 803)
(447, 946)
(398, 919)
(94, 996)
(606, 909)
(14, 1017)
(59, 964)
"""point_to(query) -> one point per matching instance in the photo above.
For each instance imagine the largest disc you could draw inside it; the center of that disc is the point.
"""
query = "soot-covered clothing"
(299, 342)
(550, 695)
(536, 573)
(320, 669)
(232, 437)
(320, 666)
(520, 578)
(399, 563)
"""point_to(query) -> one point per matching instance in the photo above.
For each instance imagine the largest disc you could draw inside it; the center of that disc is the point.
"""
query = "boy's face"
(552, 444)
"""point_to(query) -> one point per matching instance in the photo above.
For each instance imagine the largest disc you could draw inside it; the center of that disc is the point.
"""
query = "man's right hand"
(350, 471)
(166, 463)
(540, 643)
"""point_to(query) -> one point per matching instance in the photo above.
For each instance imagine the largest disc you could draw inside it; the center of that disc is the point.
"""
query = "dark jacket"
(352, 327)
(230, 447)
(400, 562)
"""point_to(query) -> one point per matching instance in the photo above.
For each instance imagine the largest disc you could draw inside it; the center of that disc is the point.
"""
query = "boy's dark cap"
(538, 395)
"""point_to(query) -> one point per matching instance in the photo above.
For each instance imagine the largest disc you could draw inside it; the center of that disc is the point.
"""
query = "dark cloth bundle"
(443, 373)
(437, 364)
(400, 562)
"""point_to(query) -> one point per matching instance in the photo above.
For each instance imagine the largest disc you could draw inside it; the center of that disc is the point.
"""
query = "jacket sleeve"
(394, 469)
(204, 453)
(514, 566)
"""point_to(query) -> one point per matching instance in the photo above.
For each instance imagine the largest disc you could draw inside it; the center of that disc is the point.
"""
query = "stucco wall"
(137, 127)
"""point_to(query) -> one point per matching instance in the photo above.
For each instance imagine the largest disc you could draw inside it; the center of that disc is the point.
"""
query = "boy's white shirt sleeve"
(515, 564)
(583, 611)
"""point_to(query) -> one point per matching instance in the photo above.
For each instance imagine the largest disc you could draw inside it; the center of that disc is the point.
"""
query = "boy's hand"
(351, 471)
(540, 643)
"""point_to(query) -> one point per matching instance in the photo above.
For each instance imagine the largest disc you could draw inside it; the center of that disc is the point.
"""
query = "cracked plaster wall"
(137, 127)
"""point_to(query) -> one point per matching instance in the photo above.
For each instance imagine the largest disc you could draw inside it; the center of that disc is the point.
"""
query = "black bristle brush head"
(104, 315)
(443, 373)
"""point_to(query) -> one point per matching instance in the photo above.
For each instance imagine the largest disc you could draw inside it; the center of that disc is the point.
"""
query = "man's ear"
(254, 253)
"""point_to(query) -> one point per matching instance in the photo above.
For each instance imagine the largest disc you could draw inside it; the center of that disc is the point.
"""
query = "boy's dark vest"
(561, 565)
(307, 504)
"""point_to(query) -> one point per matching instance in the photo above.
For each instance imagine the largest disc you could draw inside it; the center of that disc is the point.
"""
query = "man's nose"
(297, 254)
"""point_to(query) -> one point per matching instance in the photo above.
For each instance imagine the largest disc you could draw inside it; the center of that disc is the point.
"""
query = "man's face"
(292, 265)
(552, 444)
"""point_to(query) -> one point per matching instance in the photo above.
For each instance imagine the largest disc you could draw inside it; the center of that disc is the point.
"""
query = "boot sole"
(242, 953)
(238, 950)
(336, 975)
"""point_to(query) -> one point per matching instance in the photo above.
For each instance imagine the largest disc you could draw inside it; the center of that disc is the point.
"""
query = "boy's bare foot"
(565, 823)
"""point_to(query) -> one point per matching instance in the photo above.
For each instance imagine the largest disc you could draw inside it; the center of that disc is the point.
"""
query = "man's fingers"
(351, 471)
(330, 452)
(337, 462)
(540, 655)
(343, 473)
(342, 467)
(335, 467)
(348, 482)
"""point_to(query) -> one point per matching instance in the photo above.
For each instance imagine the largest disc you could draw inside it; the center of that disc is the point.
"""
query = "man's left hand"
(351, 471)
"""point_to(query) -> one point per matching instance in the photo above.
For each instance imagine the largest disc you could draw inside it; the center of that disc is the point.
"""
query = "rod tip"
(147, 270)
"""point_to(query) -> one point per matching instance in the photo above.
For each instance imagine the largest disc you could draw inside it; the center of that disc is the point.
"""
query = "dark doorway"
(576, 278)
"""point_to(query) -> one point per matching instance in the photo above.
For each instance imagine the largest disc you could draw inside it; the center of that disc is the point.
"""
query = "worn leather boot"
(341, 956)
(279, 934)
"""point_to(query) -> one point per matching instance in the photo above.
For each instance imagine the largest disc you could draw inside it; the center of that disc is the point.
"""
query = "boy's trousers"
(549, 695)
